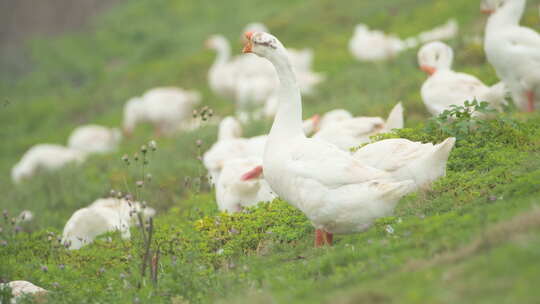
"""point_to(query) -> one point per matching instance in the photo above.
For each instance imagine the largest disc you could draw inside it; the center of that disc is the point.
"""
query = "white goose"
(231, 145)
(94, 139)
(235, 189)
(336, 192)
(24, 289)
(168, 109)
(103, 215)
(45, 156)
(222, 73)
(348, 133)
(445, 87)
(408, 160)
(375, 45)
(513, 50)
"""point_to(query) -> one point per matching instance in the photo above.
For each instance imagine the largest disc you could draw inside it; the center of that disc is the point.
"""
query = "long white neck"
(510, 14)
(223, 50)
(288, 120)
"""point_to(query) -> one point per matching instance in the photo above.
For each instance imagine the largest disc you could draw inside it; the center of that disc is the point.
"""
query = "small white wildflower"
(220, 251)
(25, 216)
(153, 145)
(389, 229)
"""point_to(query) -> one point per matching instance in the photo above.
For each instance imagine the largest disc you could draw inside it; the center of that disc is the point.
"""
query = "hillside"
(472, 238)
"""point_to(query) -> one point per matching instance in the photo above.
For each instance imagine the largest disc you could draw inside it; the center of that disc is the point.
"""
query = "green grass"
(472, 238)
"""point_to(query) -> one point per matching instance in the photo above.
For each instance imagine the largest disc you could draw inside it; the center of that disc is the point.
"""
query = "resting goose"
(445, 87)
(446, 31)
(45, 156)
(337, 193)
(408, 160)
(235, 189)
(94, 139)
(349, 133)
(513, 50)
(375, 45)
(103, 215)
(24, 289)
(168, 109)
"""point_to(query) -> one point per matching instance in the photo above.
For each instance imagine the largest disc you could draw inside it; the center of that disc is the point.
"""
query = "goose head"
(229, 128)
(216, 42)
(311, 125)
(489, 7)
(253, 27)
(435, 56)
(262, 44)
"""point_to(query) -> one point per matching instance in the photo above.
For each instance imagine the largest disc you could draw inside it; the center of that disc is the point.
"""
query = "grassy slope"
(87, 77)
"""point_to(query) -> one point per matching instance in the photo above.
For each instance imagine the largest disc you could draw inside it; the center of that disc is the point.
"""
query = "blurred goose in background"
(245, 79)
(513, 50)
(336, 192)
(446, 31)
(103, 215)
(231, 145)
(375, 45)
(168, 109)
(241, 184)
(48, 157)
(23, 289)
(445, 87)
(333, 116)
(348, 133)
(94, 139)
(408, 160)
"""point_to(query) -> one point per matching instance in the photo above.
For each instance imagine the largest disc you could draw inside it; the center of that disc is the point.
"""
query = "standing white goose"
(408, 160)
(348, 133)
(445, 87)
(94, 139)
(513, 50)
(336, 192)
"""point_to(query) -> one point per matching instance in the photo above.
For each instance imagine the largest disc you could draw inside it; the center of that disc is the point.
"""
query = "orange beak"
(429, 70)
(487, 11)
(247, 47)
(253, 173)
(316, 121)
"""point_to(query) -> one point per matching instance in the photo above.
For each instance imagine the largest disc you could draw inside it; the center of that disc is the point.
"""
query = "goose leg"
(329, 238)
(530, 99)
(319, 238)
(323, 238)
